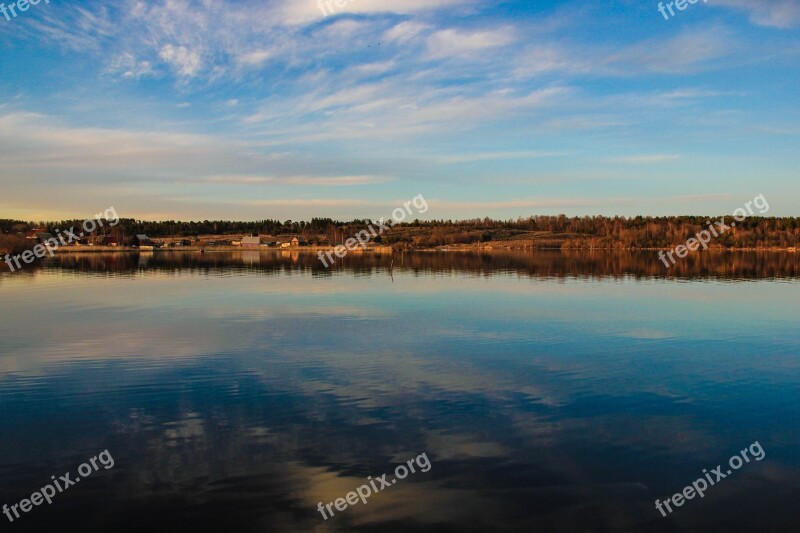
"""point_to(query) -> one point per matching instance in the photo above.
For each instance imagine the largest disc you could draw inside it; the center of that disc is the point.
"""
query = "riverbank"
(208, 249)
(476, 247)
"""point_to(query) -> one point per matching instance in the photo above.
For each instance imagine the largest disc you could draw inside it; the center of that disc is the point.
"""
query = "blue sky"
(269, 109)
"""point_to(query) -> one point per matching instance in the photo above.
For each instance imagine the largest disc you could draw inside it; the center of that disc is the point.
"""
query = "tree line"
(556, 231)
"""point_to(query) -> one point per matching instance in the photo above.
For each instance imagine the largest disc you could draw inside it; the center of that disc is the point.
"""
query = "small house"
(34, 233)
(251, 242)
(287, 241)
(144, 242)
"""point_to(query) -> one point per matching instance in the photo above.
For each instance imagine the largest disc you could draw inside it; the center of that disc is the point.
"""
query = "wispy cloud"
(773, 13)
(468, 44)
(405, 31)
(304, 12)
(324, 181)
(643, 159)
(689, 51)
(185, 62)
(309, 202)
(557, 203)
(487, 156)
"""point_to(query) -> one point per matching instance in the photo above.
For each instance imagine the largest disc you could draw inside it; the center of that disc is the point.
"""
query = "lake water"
(549, 391)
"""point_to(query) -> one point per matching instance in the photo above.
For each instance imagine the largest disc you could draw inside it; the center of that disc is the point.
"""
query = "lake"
(549, 391)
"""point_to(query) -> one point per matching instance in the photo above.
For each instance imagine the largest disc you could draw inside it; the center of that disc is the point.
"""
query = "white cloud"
(546, 58)
(81, 30)
(405, 31)
(38, 146)
(687, 52)
(690, 51)
(393, 110)
(185, 62)
(458, 43)
(255, 59)
(303, 12)
(774, 13)
(128, 66)
(371, 69)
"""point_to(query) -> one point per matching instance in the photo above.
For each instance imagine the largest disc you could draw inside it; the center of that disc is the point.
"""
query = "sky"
(249, 110)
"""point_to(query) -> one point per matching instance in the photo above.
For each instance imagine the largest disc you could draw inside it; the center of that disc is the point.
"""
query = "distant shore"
(208, 249)
(482, 247)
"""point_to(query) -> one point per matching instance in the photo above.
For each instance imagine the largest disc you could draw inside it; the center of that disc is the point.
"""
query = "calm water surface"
(550, 392)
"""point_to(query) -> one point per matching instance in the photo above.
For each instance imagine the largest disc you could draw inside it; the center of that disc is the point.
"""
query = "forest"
(561, 231)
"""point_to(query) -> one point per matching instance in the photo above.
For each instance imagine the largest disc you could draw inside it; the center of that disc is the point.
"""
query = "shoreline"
(206, 249)
(389, 249)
